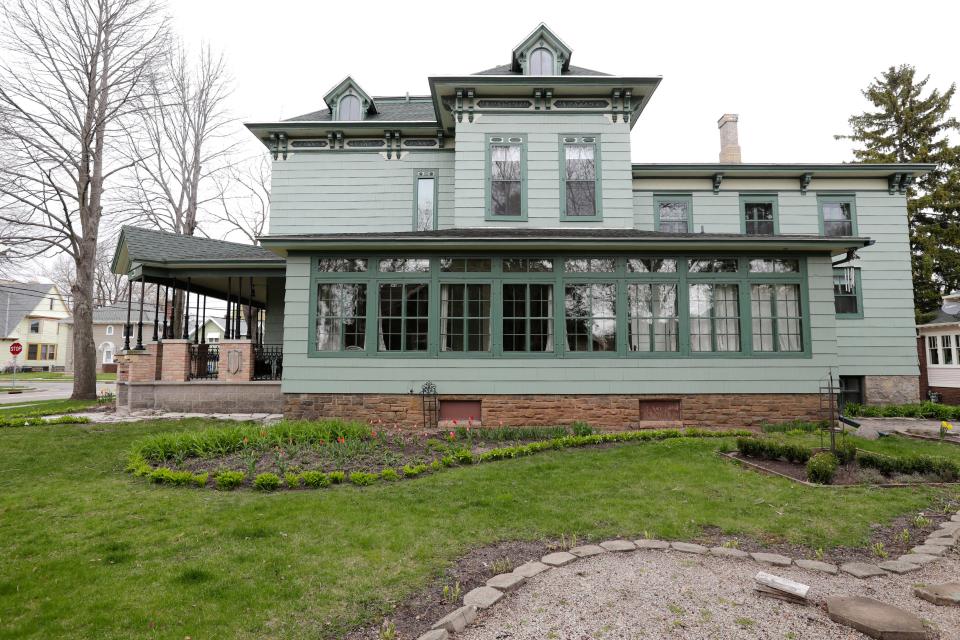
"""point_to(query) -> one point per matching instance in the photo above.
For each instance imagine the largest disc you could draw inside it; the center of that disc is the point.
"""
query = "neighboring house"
(938, 342)
(214, 329)
(108, 333)
(30, 313)
(494, 239)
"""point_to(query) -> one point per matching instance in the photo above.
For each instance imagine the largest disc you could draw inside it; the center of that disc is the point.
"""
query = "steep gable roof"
(349, 85)
(19, 300)
(540, 36)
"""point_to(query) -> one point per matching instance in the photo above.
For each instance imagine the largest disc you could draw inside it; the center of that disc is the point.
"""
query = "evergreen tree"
(911, 127)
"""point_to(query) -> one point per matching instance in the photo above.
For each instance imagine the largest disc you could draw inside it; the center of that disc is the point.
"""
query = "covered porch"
(218, 330)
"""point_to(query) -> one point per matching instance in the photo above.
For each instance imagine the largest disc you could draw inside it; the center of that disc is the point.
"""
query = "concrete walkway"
(871, 428)
(46, 390)
(100, 417)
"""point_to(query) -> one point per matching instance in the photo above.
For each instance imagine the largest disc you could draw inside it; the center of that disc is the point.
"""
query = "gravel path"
(656, 594)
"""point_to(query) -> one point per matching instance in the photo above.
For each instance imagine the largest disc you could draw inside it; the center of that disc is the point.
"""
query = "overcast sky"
(793, 71)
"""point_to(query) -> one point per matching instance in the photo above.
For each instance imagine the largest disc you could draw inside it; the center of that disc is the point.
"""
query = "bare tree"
(244, 200)
(108, 287)
(73, 72)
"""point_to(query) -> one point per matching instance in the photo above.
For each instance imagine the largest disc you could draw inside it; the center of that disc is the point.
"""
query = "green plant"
(501, 565)
(336, 477)
(266, 482)
(292, 480)
(228, 480)
(411, 471)
(943, 468)
(581, 429)
(463, 456)
(793, 427)
(773, 449)
(879, 550)
(315, 479)
(362, 479)
(846, 452)
(921, 521)
(390, 474)
(452, 593)
(904, 536)
(822, 467)
(388, 631)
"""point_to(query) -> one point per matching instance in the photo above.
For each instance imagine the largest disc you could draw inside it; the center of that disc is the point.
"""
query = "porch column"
(127, 327)
(250, 312)
(175, 366)
(186, 313)
(166, 305)
(226, 332)
(196, 322)
(203, 326)
(139, 346)
(156, 319)
(236, 360)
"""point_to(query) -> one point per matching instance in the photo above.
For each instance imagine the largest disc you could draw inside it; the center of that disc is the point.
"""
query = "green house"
(493, 243)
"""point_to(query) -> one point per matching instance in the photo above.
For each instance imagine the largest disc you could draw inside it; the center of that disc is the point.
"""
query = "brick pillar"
(237, 355)
(176, 360)
(138, 365)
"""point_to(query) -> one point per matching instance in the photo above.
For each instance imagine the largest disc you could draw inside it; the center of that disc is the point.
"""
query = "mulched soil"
(848, 474)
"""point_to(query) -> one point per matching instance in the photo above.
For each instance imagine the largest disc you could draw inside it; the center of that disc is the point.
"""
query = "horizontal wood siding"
(354, 192)
(543, 131)
(571, 375)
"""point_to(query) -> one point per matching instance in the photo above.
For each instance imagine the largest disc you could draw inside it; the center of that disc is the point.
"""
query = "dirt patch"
(846, 475)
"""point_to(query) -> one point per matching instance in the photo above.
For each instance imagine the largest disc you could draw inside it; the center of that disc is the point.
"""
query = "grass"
(893, 445)
(53, 376)
(30, 409)
(89, 551)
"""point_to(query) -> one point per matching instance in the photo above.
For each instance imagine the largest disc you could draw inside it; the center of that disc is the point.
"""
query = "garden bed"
(301, 455)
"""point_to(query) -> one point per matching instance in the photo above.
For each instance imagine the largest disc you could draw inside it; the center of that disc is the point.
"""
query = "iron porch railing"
(267, 361)
(204, 361)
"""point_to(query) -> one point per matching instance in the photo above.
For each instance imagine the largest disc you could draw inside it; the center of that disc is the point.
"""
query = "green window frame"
(751, 222)
(776, 317)
(425, 182)
(663, 200)
(843, 297)
(576, 181)
(465, 317)
(504, 179)
(340, 316)
(847, 203)
(407, 289)
(717, 327)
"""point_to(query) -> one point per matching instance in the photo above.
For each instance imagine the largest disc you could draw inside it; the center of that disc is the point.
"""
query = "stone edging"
(936, 544)
(878, 485)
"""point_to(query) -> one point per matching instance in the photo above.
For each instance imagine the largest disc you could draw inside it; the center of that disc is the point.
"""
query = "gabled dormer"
(541, 53)
(348, 102)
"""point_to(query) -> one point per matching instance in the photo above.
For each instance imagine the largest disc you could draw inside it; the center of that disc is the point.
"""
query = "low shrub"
(292, 480)
(944, 469)
(336, 477)
(315, 479)
(931, 410)
(362, 479)
(165, 475)
(846, 452)
(794, 426)
(413, 470)
(581, 429)
(822, 467)
(36, 421)
(266, 482)
(773, 449)
(463, 456)
(229, 480)
(390, 474)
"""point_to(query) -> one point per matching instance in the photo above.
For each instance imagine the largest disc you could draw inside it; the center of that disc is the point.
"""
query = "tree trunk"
(84, 350)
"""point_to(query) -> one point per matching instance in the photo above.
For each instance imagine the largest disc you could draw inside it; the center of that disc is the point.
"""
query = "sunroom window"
(341, 316)
(591, 317)
(776, 317)
(528, 317)
(404, 316)
(654, 319)
(464, 317)
(714, 317)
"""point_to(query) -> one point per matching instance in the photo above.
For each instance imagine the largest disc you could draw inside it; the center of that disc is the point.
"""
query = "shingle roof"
(18, 300)
(416, 109)
(507, 70)
(149, 245)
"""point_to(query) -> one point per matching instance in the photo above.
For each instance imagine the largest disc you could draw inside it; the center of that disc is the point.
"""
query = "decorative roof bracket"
(614, 98)
(387, 135)
(906, 182)
(440, 138)
(805, 183)
(717, 179)
(894, 182)
(547, 97)
(470, 97)
(537, 96)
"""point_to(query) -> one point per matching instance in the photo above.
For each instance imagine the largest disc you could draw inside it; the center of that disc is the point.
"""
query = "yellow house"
(31, 314)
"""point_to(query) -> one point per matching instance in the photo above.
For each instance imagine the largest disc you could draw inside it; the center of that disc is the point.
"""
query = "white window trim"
(954, 350)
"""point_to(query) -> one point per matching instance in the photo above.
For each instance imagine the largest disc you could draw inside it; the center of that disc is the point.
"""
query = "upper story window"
(759, 214)
(349, 108)
(109, 330)
(580, 178)
(425, 203)
(541, 62)
(838, 216)
(672, 214)
(506, 157)
(35, 326)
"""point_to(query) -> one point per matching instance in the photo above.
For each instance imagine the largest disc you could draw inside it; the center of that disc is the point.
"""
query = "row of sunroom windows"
(604, 305)
(942, 350)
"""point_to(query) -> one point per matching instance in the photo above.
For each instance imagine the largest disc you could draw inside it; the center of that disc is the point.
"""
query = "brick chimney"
(729, 142)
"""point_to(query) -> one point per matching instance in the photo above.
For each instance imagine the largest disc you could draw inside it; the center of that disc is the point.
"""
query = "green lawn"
(51, 376)
(894, 445)
(44, 407)
(90, 552)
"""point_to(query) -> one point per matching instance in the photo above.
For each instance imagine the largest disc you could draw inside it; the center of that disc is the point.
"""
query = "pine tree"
(911, 127)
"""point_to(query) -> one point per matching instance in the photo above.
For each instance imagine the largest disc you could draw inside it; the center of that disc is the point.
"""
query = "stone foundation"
(201, 396)
(892, 389)
(605, 411)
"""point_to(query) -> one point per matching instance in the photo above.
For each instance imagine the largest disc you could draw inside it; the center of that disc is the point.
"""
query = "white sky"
(792, 70)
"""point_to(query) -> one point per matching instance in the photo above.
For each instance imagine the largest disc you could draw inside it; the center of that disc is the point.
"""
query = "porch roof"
(486, 239)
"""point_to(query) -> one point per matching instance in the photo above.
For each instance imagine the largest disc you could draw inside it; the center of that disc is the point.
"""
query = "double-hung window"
(425, 201)
(35, 326)
(341, 307)
(946, 346)
(506, 199)
(404, 310)
(759, 215)
(847, 293)
(580, 197)
(41, 352)
(775, 307)
(673, 213)
(838, 215)
(933, 350)
(465, 323)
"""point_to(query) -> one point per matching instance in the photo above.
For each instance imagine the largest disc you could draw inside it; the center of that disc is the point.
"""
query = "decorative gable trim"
(542, 36)
(348, 86)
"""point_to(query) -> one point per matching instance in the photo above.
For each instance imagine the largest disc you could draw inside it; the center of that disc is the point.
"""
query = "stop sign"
(16, 348)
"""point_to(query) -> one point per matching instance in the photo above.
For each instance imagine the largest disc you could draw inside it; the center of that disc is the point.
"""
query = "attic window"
(349, 108)
(541, 62)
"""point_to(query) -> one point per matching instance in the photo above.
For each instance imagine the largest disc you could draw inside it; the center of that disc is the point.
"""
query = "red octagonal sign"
(16, 348)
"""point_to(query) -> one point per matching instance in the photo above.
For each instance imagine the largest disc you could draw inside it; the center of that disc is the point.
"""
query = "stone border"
(881, 485)
(497, 587)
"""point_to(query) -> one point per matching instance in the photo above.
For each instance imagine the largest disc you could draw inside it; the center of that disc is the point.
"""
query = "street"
(46, 390)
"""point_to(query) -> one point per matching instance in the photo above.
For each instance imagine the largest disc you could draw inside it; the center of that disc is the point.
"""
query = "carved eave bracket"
(906, 182)
(621, 103)
(278, 145)
(440, 138)
(717, 179)
(894, 183)
(805, 183)
(464, 101)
